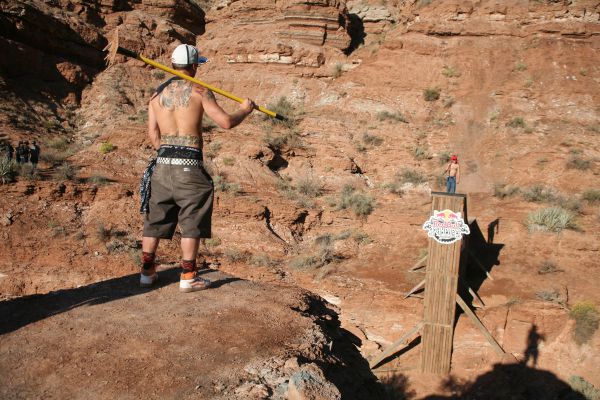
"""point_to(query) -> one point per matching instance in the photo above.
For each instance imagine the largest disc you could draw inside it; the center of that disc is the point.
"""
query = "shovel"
(113, 49)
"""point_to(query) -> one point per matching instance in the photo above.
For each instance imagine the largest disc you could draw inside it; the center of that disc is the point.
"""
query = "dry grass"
(587, 319)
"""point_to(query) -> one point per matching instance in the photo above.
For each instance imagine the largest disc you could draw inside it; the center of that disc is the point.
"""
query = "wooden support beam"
(480, 265)
(479, 325)
(394, 347)
(417, 287)
(420, 264)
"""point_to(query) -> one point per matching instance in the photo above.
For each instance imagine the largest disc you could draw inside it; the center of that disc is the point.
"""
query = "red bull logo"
(446, 226)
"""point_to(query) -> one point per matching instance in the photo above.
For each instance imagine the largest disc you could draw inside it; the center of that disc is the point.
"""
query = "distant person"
(19, 152)
(25, 153)
(180, 190)
(453, 171)
(9, 151)
(34, 154)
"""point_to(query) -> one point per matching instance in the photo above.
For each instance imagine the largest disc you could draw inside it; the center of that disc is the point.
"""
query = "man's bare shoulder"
(204, 92)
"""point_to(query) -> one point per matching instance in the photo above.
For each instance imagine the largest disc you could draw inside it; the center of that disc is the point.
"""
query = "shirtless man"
(181, 189)
(453, 171)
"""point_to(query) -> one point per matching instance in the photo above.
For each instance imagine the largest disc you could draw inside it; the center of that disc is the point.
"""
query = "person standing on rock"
(34, 154)
(177, 189)
(453, 171)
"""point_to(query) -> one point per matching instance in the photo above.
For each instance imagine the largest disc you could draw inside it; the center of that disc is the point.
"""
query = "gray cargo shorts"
(181, 195)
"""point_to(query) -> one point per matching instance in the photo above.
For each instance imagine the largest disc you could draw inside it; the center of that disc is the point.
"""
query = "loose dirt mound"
(238, 340)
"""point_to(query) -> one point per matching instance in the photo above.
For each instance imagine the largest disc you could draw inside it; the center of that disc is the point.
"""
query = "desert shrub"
(8, 170)
(591, 195)
(548, 267)
(502, 190)
(551, 296)
(575, 161)
(212, 149)
(362, 205)
(360, 147)
(420, 153)
(450, 72)
(361, 237)
(236, 255)
(65, 172)
(371, 140)
(423, 3)
(286, 109)
(106, 147)
(102, 233)
(582, 386)
(322, 256)
(98, 179)
(432, 94)
(517, 122)
(28, 172)
(262, 260)
(290, 140)
(553, 219)
(309, 186)
(539, 194)
(212, 242)
(59, 143)
(586, 318)
(393, 187)
(520, 66)
(157, 74)
(595, 128)
(337, 70)
(391, 116)
(228, 161)
(221, 185)
(407, 175)
(444, 157)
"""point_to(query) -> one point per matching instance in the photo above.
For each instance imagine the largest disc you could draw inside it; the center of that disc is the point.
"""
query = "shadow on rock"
(22, 311)
(510, 381)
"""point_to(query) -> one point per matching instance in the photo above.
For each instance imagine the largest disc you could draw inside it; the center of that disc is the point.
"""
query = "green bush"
(221, 185)
(98, 180)
(290, 140)
(337, 70)
(393, 187)
(553, 219)
(106, 147)
(548, 267)
(262, 260)
(432, 94)
(587, 319)
(212, 149)
(228, 161)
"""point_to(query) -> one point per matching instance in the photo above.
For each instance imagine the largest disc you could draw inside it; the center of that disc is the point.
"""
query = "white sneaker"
(193, 285)
(148, 280)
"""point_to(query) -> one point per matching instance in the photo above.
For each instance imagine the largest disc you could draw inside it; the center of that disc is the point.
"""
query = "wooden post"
(441, 286)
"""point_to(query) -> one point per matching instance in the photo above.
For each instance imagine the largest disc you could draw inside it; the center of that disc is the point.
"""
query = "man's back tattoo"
(177, 94)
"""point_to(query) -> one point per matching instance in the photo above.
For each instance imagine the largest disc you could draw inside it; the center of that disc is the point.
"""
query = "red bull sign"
(446, 226)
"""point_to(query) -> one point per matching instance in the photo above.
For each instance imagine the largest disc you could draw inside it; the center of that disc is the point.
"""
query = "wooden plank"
(479, 325)
(417, 287)
(441, 285)
(394, 347)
